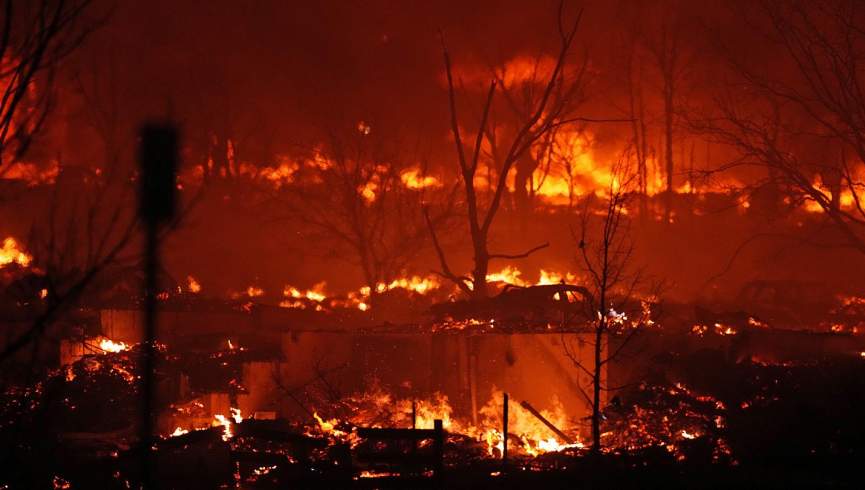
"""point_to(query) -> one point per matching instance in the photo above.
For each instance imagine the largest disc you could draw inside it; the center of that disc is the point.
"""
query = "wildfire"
(192, 285)
(377, 407)
(324, 425)
(846, 199)
(534, 436)
(508, 275)
(108, 345)
(12, 253)
(280, 175)
(418, 284)
(178, 431)
(512, 275)
(550, 277)
(318, 298)
(225, 422)
(415, 179)
(315, 294)
(249, 292)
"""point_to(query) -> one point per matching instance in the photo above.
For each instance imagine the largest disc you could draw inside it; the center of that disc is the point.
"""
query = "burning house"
(377, 244)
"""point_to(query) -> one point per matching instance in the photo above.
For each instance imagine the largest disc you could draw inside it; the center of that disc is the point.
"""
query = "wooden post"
(414, 423)
(505, 430)
(439, 448)
(473, 381)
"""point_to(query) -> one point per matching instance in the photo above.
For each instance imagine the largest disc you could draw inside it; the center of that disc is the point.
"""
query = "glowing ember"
(31, 173)
(294, 297)
(722, 329)
(178, 432)
(376, 474)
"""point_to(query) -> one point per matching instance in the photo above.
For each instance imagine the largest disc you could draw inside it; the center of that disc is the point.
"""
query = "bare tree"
(521, 95)
(34, 37)
(548, 110)
(814, 95)
(605, 251)
(668, 50)
(353, 193)
(637, 113)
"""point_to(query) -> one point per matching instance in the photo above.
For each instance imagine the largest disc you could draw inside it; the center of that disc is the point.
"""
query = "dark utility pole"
(158, 160)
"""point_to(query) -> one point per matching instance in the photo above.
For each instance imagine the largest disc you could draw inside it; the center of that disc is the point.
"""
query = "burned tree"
(34, 38)
(356, 193)
(637, 112)
(605, 250)
(550, 109)
(670, 53)
(774, 119)
(521, 93)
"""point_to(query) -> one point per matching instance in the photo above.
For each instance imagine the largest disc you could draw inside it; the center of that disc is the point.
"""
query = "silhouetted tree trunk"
(638, 125)
(549, 111)
(666, 55)
(606, 258)
(526, 166)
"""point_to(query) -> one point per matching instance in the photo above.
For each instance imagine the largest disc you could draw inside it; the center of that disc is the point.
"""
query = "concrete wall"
(128, 325)
(464, 367)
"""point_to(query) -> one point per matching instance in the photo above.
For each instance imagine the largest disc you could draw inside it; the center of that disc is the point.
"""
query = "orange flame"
(193, 285)
(414, 179)
(11, 253)
(225, 422)
(108, 345)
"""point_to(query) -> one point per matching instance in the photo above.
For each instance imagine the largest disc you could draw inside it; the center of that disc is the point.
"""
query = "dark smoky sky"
(283, 71)
(296, 65)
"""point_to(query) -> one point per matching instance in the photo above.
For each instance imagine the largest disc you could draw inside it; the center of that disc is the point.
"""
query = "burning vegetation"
(569, 244)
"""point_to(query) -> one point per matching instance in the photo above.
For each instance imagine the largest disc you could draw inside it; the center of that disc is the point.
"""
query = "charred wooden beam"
(388, 433)
(546, 422)
(436, 459)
